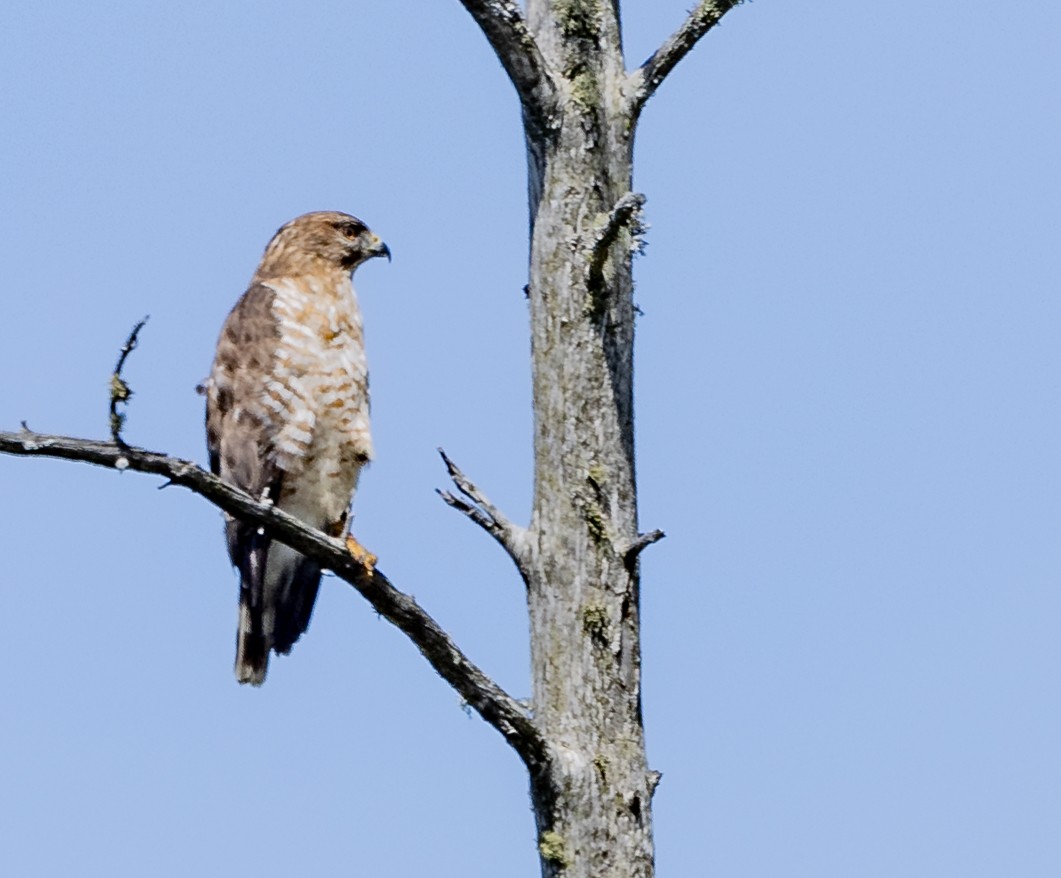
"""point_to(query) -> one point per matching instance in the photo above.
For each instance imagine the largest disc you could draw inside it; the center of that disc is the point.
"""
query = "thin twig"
(505, 28)
(492, 703)
(473, 512)
(121, 392)
(647, 78)
(512, 538)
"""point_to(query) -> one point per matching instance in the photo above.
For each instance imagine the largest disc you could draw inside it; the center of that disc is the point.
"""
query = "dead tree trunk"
(592, 796)
(593, 807)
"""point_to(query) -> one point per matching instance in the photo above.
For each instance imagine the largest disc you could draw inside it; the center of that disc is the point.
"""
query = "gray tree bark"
(593, 794)
(593, 806)
(583, 739)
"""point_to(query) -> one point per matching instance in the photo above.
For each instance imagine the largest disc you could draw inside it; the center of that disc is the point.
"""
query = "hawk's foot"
(360, 553)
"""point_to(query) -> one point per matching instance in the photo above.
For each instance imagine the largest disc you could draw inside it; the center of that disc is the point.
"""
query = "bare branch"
(121, 393)
(505, 29)
(492, 703)
(647, 78)
(512, 538)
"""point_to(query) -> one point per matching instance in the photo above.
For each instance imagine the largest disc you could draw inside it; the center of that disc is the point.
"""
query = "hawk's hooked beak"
(378, 248)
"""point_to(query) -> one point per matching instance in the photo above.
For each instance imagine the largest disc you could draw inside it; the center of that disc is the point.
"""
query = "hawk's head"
(321, 240)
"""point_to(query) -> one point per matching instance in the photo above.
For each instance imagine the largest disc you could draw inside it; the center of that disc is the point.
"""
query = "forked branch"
(647, 78)
(479, 509)
(505, 28)
(492, 703)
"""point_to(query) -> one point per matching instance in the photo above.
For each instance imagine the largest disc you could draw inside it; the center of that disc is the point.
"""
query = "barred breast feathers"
(319, 381)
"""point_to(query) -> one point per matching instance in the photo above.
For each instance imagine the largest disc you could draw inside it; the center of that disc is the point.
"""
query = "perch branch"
(505, 28)
(512, 538)
(647, 78)
(492, 703)
(121, 393)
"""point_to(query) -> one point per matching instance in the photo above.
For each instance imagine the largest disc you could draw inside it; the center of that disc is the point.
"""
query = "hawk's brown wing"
(239, 426)
(239, 435)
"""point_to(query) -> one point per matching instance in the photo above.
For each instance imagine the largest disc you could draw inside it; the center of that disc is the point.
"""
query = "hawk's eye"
(351, 230)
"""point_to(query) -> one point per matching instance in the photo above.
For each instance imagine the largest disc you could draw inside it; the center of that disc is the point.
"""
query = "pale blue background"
(848, 424)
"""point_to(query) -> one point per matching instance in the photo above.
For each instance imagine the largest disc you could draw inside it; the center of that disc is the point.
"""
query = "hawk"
(287, 417)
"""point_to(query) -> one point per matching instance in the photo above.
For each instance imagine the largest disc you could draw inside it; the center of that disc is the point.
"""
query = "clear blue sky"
(848, 424)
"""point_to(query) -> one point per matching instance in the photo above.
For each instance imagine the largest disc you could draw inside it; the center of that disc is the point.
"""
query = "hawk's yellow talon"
(360, 553)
